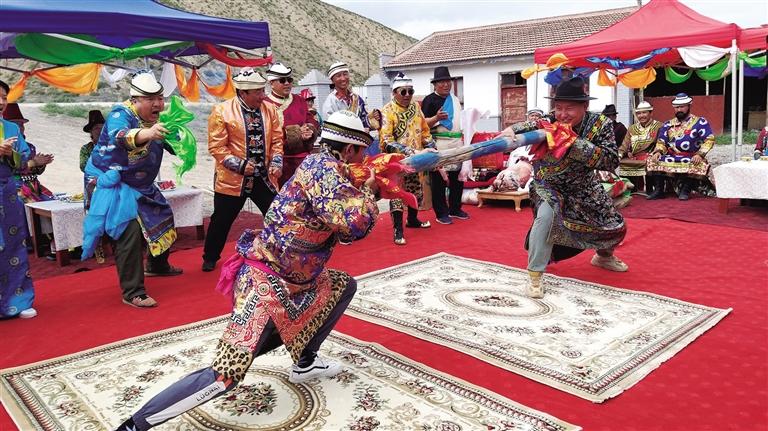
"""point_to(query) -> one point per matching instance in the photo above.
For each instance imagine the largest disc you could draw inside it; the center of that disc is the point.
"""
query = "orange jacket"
(226, 139)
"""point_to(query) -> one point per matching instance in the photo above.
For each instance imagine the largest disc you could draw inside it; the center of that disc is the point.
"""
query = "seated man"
(638, 143)
(761, 145)
(681, 150)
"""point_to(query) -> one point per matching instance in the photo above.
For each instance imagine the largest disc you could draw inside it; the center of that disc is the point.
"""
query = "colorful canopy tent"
(658, 24)
(77, 32)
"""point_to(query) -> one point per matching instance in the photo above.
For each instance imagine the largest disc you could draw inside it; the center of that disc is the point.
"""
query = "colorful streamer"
(636, 63)
(189, 89)
(79, 79)
(174, 118)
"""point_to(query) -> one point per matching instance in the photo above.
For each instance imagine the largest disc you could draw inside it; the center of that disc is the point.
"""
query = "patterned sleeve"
(350, 212)
(120, 130)
(218, 140)
(387, 134)
(626, 143)
(363, 113)
(601, 153)
(525, 126)
(762, 140)
(661, 139)
(21, 152)
(704, 130)
(84, 155)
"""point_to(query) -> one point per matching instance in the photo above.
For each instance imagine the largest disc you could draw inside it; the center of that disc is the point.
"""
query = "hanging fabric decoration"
(527, 73)
(752, 61)
(719, 70)
(114, 77)
(190, 89)
(638, 78)
(179, 137)
(701, 55)
(637, 63)
(225, 90)
(87, 49)
(555, 76)
(221, 55)
(605, 80)
(80, 79)
(676, 78)
(168, 79)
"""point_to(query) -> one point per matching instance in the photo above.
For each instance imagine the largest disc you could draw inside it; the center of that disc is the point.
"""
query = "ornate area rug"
(589, 340)
(378, 390)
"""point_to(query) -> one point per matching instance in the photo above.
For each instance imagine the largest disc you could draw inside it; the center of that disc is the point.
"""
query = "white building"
(488, 61)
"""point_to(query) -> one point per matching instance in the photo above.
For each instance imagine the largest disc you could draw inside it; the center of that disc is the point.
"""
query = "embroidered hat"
(13, 113)
(248, 79)
(145, 84)
(94, 117)
(345, 127)
(277, 71)
(337, 67)
(306, 94)
(402, 81)
(682, 99)
(644, 107)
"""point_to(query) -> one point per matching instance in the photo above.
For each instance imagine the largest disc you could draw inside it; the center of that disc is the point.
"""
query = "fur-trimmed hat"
(644, 107)
(402, 81)
(277, 71)
(145, 84)
(345, 127)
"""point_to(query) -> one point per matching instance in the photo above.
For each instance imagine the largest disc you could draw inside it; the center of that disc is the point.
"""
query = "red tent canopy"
(658, 24)
(754, 38)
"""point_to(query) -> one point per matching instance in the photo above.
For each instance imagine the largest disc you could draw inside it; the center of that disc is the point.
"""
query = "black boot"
(685, 189)
(397, 223)
(658, 187)
(413, 220)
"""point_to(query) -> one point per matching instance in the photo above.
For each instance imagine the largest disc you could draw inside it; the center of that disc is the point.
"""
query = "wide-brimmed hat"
(610, 110)
(248, 79)
(94, 117)
(682, 99)
(441, 74)
(572, 90)
(145, 84)
(306, 94)
(644, 107)
(277, 71)
(337, 67)
(347, 128)
(13, 113)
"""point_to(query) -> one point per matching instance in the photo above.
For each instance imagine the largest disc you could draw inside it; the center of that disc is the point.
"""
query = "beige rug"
(378, 390)
(589, 340)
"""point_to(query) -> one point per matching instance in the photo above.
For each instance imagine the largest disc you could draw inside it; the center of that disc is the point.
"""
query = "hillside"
(306, 34)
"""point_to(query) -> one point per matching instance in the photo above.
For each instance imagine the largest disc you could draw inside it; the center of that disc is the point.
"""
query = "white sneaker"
(611, 263)
(319, 368)
(28, 313)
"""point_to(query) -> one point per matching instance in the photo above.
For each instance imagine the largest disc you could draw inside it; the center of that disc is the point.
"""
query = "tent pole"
(11, 69)
(536, 89)
(741, 108)
(733, 98)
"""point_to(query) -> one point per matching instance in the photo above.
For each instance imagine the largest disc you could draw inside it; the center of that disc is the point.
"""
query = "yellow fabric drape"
(79, 79)
(638, 78)
(225, 90)
(604, 79)
(527, 73)
(557, 60)
(189, 89)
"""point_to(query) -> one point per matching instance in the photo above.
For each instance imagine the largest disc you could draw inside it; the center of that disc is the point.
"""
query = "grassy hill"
(306, 34)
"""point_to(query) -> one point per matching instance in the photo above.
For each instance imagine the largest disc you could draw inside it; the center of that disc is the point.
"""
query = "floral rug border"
(611, 386)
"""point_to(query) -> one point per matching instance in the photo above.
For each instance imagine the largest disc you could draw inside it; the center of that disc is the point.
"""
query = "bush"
(77, 111)
(749, 137)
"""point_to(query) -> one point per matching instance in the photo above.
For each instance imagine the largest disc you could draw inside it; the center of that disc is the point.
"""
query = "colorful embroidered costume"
(16, 290)
(638, 143)
(293, 113)
(336, 102)
(678, 142)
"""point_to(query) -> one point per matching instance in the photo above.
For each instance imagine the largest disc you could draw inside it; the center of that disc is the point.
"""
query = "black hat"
(610, 110)
(94, 117)
(441, 74)
(573, 90)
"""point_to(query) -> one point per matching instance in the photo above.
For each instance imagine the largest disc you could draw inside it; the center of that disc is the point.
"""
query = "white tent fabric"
(701, 55)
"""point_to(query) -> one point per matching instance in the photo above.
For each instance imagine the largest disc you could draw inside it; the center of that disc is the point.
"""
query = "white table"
(741, 180)
(67, 219)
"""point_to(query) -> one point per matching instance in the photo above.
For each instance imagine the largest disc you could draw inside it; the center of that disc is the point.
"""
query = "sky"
(419, 18)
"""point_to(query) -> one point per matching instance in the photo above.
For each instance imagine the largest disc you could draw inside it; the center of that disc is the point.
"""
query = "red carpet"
(699, 210)
(718, 382)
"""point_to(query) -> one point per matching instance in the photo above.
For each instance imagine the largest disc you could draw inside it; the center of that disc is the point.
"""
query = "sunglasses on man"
(406, 92)
(285, 80)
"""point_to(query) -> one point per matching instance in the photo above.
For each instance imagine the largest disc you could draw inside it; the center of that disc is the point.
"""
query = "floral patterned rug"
(589, 340)
(378, 390)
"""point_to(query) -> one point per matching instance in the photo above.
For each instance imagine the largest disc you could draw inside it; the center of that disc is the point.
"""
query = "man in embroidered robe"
(443, 113)
(681, 150)
(120, 191)
(342, 98)
(405, 130)
(299, 125)
(246, 139)
(638, 143)
(572, 210)
(283, 292)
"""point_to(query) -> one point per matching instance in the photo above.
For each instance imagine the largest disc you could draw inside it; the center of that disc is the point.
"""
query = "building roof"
(505, 40)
